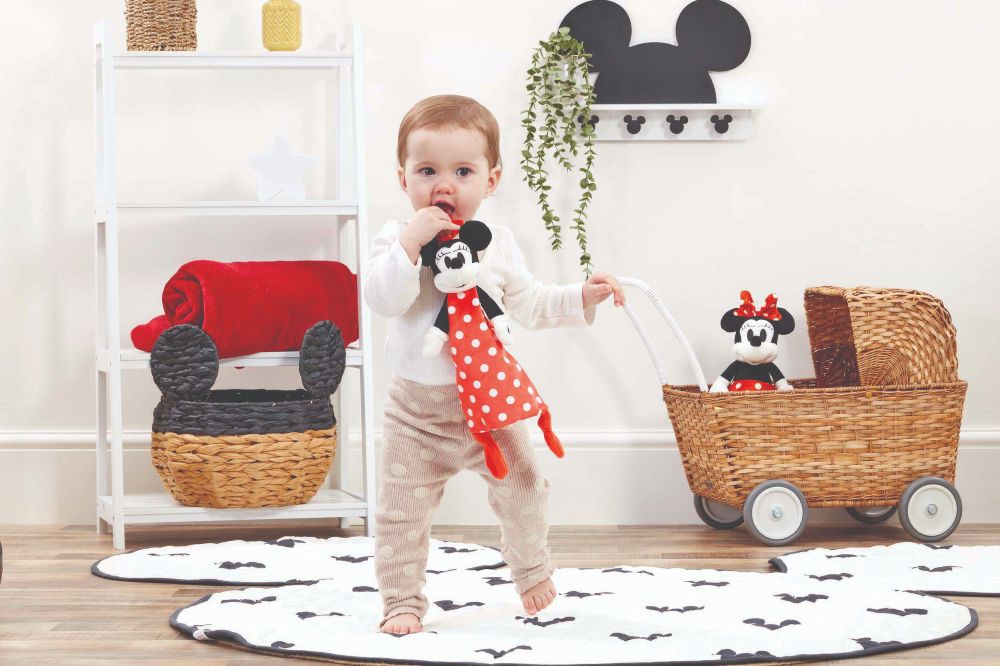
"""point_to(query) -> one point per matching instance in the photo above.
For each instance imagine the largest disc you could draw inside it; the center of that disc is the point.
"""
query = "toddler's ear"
(427, 253)
(476, 235)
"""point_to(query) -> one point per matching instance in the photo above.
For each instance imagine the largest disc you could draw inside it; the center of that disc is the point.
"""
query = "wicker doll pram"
(878, 426)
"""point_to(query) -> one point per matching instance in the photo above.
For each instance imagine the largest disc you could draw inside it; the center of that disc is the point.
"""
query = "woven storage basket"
(243, 448)
(161, 25)
(841, 444)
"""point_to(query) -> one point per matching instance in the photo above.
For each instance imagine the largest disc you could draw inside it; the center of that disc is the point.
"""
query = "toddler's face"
(448, 166)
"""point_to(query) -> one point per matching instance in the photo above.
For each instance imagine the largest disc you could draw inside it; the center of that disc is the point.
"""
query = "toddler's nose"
(444, 186)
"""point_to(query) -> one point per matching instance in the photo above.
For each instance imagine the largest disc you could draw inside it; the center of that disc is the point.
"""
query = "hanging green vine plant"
(558, 126)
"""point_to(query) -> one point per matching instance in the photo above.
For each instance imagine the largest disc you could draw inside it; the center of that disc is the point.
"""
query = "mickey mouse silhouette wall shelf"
(660, 91)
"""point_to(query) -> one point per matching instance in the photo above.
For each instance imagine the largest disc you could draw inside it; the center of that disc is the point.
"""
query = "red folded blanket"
(256, 306)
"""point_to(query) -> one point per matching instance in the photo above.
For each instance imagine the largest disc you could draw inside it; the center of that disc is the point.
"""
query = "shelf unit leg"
(104, 194)
(109, 328)
(103, 487)
(101, 434)
(343, 182)
(368, 446)
(339, 472)
(117, 458)
(364, 315)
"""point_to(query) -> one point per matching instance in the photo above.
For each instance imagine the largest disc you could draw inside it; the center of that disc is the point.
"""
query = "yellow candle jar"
(281, 25)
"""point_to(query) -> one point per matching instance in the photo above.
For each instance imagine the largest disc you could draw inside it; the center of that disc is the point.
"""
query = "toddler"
(449, 161)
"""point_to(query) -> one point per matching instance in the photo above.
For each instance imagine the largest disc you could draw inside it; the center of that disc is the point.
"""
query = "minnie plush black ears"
(185, 362)
(473, 233)
(476, 235)
(780, 318)
(731, 321)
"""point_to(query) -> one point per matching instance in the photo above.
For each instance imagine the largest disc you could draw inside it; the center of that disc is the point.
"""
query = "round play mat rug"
(328, 605)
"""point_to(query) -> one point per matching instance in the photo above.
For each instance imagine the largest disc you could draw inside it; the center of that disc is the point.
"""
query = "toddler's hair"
(442, 111)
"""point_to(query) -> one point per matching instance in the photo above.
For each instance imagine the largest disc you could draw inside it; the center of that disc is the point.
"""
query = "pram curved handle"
(661, 373)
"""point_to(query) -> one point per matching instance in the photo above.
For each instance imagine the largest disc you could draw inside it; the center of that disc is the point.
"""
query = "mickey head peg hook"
(633, 125)
(592, 122)
(677, 123)
(721, 123)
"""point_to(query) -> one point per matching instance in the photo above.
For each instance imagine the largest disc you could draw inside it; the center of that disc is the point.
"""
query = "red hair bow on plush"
(769, 311)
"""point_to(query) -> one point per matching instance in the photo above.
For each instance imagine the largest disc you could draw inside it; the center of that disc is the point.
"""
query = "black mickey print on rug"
(667, 609)
(772, 626)
(924, 567)
(813, 598)
(242, 565)
(897, 611)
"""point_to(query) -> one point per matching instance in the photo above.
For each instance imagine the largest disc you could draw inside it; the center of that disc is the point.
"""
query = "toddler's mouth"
(446, 207)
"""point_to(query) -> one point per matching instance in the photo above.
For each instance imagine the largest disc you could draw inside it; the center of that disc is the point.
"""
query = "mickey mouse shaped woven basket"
(238, 447)
(876, 429)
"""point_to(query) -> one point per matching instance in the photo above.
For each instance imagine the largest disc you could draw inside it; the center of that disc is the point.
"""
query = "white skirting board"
(606, 478)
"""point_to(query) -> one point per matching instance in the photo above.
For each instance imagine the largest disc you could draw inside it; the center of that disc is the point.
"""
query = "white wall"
(873, 162)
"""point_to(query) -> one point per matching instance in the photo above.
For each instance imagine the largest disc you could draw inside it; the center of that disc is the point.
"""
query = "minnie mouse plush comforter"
(256, 306)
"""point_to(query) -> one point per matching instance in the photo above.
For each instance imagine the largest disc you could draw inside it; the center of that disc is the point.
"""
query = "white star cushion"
(281, 171)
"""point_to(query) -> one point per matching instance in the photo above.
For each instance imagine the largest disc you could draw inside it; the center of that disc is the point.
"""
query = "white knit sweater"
(405, 293)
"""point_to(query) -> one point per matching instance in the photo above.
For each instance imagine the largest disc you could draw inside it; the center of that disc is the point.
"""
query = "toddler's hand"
(599, 286)
(422, 228)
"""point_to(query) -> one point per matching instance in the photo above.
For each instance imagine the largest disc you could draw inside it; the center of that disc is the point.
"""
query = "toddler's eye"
(427, 171)
(464, 171)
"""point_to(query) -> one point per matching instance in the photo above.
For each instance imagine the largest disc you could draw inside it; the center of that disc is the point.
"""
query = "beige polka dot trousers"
(426, 442)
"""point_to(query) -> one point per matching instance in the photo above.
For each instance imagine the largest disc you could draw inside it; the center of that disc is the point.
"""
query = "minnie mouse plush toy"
(493, 388)
(756, 346)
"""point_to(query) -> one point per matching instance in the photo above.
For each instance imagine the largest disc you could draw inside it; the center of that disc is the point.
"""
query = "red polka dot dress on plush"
(750, 385)
(493, 388)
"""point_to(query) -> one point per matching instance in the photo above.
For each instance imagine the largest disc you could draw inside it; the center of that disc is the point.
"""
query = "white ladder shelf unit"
(115, 508)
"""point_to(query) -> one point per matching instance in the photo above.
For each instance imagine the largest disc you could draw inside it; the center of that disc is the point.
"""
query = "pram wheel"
(871, 515)
(776, 513)
(716, 514)
(930, 509)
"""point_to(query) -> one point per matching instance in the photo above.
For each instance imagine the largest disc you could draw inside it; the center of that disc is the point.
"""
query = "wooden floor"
(54, 611)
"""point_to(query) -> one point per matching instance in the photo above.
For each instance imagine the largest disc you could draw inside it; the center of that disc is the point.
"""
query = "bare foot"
(539, 596)
(404, 623)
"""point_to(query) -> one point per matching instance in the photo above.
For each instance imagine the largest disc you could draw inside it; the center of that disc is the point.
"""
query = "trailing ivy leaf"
(560, 91)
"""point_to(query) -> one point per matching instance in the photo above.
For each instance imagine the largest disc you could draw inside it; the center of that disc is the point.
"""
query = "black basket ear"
(322, 359)
(184, 362)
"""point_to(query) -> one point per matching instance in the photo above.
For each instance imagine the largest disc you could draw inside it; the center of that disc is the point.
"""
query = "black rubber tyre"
(871, 515)
(717, 515)
(930, 509)
(776, 513)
